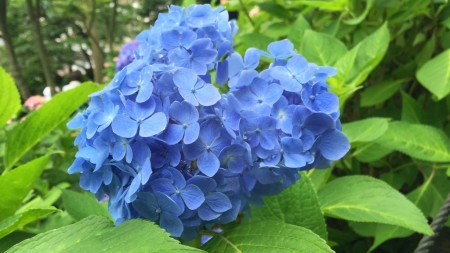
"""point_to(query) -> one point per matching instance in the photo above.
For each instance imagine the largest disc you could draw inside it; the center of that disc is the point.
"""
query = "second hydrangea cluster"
(163, 144)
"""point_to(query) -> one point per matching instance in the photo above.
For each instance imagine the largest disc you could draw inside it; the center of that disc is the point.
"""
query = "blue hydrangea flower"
(163, 144)
(126, 54)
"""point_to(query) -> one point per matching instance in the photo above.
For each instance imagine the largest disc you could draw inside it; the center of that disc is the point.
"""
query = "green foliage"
(16, 184)
(19, 220)
(82, 205)
(9, 97)
(379, 93)
(96, 234)
(297, 205)
(321, 48)
(393, 80)
(365, 199)
(418, 141)
(39, 123)
(435, 75)
(355, 66)
(270, 236)
(365, 130)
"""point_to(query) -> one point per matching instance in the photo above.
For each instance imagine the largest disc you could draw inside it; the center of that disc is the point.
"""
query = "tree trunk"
(42, 51)
(11, 54)
(97, 53)
(112, 27)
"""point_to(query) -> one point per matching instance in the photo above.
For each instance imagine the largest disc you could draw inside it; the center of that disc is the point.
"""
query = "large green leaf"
(379, 93)
(297, 30)
(371, 51)
(321, 48)
(354, 67)
(9, 97)
(427, 197)
(435, 75)
(267, 236)
(81, 205)
(98, 234)
(17, 221)
(39, 123)
(419, 141)
(297, 205)
(365, 130)
(15, 185)
(366, 199)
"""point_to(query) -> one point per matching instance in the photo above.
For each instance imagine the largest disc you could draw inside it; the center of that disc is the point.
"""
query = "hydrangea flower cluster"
(163, 144)
(126, 54)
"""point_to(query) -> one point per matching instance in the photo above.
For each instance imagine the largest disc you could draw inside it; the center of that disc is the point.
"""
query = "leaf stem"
(245, 10)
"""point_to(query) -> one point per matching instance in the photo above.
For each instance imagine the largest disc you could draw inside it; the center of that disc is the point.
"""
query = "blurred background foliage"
(393, 62)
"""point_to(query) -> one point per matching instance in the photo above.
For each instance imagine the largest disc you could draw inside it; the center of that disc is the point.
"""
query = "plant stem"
(247, 14)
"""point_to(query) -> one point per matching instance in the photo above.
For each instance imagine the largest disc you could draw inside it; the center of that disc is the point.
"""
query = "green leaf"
(427, 51)
(274, 9)
(360, 18)
(366, 199)
(411, 110)
(297, 205)
(98, 234)
(297, 30)
(434, 75)
(370, 52)
(9, 97)
(82, 205)
(15, 185)
(379, 93)
(427, 197)
(419, 141)
(321, 48)
(39, 123)
(354, 67)
(329, 5)
(365, 130)
(267, 236)
(370, 152)
(17, 221)
(319, 177)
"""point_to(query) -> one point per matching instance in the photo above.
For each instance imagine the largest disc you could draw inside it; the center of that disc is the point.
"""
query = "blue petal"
(167, 204)
(173, 134)
(153, 125)
(171, 224)
(207, 214)
(144, 92)
(132, 189)
(185, 79)
(208, 163)
(318, 123)
(194, 150)
(124, 126)
(183, 112)
(281, 49)
(191, 133)
(146, 206)
(119, 151)
(333, 145)
(327, 102)
(193, 197)
(207, 95)
(218, 202)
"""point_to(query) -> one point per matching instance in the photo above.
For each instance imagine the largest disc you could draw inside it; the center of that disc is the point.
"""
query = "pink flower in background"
(34, 102)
